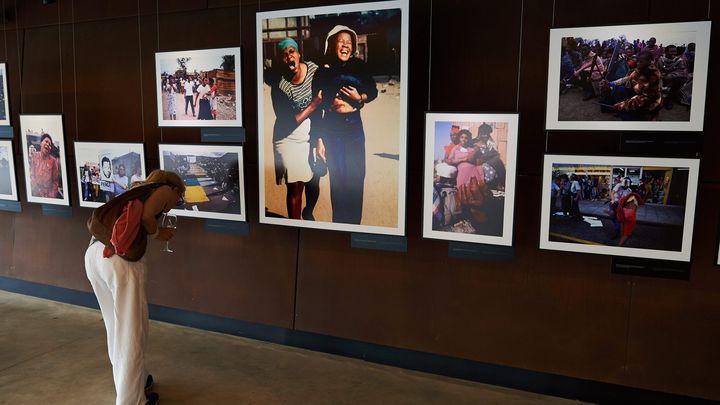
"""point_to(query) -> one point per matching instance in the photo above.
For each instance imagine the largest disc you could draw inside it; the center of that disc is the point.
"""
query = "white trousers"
(119, 286)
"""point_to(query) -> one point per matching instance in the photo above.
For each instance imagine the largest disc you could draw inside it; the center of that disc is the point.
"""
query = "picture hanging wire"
(552, 25)
(72, 15)
(157, 26)
(19, 60)
(430, 56)
(142, 102)
(517, 100)
(62, 98)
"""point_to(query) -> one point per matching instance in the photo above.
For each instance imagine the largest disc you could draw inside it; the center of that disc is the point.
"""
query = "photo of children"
(213, 175)
(106, 170)
(331, 111)
(633, 206)
(199, 88)
(469, 177)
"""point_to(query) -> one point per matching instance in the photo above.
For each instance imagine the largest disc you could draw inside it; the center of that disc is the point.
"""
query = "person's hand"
(165, 234)
(351, 92)
(320, 149)
(472, 193)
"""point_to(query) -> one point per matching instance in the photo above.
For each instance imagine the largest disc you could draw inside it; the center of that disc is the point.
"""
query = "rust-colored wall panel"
(92, 10)
(41, 72)
(107, 55)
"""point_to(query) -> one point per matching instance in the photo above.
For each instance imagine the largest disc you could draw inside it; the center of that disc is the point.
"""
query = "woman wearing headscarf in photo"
(295, 104)
(45, 169)
(346, 86)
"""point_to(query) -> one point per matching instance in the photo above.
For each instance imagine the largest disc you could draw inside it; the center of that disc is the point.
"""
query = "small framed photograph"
(620, 206)
(4, 105)
(644, 77)
(44, 154)
(8, 185)
(469, 183)
(332, 89)
(199, 88)
(213, 175)
(105, 170)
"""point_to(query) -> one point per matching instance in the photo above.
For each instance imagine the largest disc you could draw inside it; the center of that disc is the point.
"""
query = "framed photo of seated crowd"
(469, 177)
(622, 206)
(105, 170)
(4, 105)
(643, 77)
(213, 177)
(8, 184)
(199, 88)
(43, 148)
(332, 116)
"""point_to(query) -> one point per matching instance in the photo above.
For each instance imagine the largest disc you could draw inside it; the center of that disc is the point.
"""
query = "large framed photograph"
(332, 108)
(8, 185)
(105, 170)
(469, 183)
(213, 175)
(44, 155)
(628, 77)
(199, 88)
(4, 105)
(621, 206)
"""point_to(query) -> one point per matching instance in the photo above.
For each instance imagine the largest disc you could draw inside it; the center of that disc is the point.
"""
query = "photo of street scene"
(640, 205)
(105, 170)
(8, 186)
(199, 88)
(469, 177)
(332, 100)
(631, 74)
(213, 175)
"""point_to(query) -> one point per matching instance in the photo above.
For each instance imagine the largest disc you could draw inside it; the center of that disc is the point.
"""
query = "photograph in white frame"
(44, 157)
(469, 177)
(213, 177)
(622, 206)
(628, 77)
(8, 184)
(4, 104)
(356, 56)
(106, 169)
(199, 88)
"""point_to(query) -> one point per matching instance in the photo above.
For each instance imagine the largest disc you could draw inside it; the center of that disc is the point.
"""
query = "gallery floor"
(53, 353)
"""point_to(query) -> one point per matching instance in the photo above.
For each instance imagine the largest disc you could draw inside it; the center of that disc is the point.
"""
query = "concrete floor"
(52, 353)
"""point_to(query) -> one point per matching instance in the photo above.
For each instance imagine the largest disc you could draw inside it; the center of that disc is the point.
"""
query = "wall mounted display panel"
(199, 88)
(105, 170)
(628, 77)
(8, 185)
(213, 175)
(469, 183)
(4, 104)
(337, 161)
(44, 155)
(621, 206)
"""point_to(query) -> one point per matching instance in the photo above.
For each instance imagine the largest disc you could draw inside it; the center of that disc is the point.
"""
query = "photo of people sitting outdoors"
(627, 78)
(631, 206)
(106, 170)
(469, 177)
(198, 86)
(213, 179)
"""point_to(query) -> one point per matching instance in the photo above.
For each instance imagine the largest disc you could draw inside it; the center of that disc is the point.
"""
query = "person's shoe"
(153, 399)
(307, 214)
(149, 383)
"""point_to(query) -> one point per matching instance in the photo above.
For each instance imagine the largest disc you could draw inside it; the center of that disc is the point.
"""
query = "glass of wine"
(168, 221)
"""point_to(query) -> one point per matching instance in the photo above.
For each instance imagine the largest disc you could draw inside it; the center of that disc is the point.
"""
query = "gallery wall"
(555, 312)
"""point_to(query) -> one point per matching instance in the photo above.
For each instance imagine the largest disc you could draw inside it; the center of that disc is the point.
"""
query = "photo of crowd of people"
(213, 177)
(198, 88)
(8, 186)
(106, 170)
(331, 112)
(641, 204)
(469, 177)
(4, 107)
(44, 153)
(638, 74)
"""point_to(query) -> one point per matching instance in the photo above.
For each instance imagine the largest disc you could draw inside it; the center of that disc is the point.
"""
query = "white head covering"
(339, 28)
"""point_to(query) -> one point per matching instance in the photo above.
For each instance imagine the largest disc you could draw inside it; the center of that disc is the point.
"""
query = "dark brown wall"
(554, 312)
